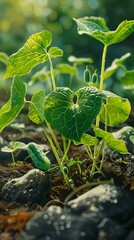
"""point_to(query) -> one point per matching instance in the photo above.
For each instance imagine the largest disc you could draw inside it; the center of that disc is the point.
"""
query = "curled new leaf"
(96, 27)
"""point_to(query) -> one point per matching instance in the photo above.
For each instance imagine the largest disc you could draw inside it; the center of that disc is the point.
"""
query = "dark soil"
(14, 215)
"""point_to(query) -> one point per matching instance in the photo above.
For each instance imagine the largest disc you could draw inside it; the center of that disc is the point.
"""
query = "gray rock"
(29, 188)
(100, 214)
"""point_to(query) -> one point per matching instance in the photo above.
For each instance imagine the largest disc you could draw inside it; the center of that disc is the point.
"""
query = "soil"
(14, 215)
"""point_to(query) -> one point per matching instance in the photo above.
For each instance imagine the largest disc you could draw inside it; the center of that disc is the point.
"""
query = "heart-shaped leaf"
(96, 27)
(71, 113)
(31, 54)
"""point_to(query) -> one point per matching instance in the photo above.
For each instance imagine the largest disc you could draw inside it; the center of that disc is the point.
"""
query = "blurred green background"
(19, 19)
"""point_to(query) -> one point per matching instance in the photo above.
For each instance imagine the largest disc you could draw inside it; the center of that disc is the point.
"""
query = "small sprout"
(87, 75)
(94, 77)
(71, 183)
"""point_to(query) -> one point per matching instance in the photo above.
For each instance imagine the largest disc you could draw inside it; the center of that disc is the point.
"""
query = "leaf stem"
(57, 156)
(101, 89)
(85, 186)
(66, 151)
(51, 71)
(54, 138)
(103, 66)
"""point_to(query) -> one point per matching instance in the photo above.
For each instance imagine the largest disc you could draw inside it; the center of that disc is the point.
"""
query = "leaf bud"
(87, 75)
(94, 77)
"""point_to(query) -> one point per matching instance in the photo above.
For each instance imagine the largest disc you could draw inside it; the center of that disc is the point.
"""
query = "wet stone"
(110, 200)
(58, 224)
(31, 187)
(103, 213)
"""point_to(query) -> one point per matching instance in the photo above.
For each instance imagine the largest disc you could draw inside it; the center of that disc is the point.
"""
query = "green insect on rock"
(38, 157)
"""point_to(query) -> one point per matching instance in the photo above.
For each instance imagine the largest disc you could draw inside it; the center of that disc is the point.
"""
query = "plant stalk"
(52, 74)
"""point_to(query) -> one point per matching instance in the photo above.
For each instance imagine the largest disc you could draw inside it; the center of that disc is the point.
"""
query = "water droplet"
(62, 217)
(49, 222)
(83, 234)
(68, 225)
(62, 228)
(45, 216)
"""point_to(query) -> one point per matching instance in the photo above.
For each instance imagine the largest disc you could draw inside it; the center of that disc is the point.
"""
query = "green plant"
(71, 113)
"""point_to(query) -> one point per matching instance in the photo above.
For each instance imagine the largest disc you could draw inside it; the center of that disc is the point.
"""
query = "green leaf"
(118, 62)
(43, 74)
(74, 162)
(132, 138)
(71, 114)
(16, 102)
(31, 54)
(87, 140)
(4, 57)
(36, 109)
(13, 146)
(80, 60)
(66, 69)
(112, 142)
(96, 27)
(55, 52)
(115, 110)
(128, 79)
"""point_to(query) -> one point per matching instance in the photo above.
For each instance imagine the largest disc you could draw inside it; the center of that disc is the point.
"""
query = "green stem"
(104, 143)
(71, 76)
(85, 186)
(101, 89)
(89, 152)
(52, 72)
(94, 165)
(102, 77)
(103, 156)
(57, 156)
(103, 67)
(66, 151)
(64, 143)
(54, 138)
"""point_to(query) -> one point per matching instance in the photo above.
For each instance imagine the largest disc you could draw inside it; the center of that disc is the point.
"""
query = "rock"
(29, 188)
(100, 214)
(5, 157)
(58, 224)
(110, 200)
(130, 236)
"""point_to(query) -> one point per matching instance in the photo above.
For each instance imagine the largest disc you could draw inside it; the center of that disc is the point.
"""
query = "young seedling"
(71, 113)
